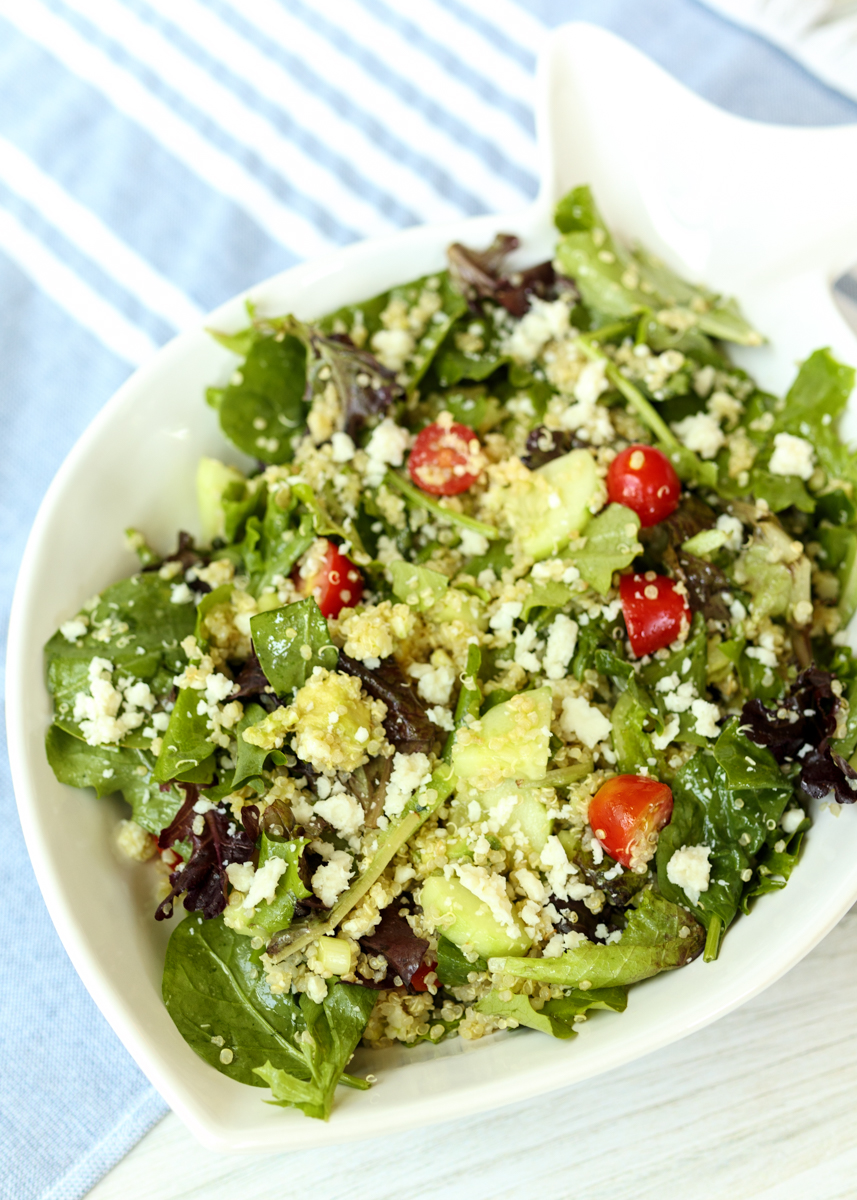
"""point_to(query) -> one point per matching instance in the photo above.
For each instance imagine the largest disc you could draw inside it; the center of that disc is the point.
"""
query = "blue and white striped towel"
(157, 156)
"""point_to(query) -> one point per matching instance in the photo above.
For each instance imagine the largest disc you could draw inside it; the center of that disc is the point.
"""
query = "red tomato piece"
(332, 578)
(445, 459)
(418, 979)
(655, 611)
(626, 814)
(642, 478)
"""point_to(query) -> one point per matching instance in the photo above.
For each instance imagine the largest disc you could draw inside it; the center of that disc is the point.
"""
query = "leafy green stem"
(426, 801)
(637, 401)
(433, 506)
(712, 941)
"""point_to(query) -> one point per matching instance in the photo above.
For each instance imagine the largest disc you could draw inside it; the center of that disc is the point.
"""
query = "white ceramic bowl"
(767, 213)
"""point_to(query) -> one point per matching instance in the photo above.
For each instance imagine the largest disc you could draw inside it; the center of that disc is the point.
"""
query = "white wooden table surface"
(759, 1106)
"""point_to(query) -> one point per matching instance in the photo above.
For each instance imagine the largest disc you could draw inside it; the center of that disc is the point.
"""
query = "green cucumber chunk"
(468, 922)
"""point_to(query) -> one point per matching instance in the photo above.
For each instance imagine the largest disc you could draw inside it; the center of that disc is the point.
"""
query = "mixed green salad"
(500, 683)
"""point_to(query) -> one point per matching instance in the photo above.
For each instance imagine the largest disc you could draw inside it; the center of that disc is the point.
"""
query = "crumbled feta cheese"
(472, 543)
(342, 811)
(393, 347)
(562, 640)
(342, 447)
(560, 872)
(690, 870)
(331, 878)
(506, 615)
(410, 771)
(680, 699)
(707, 715)
(386, 447)
(441, 716)
(180, 593)
(544, 321)
(74, 629)
(582, 720)
(264, 884)
(660, 741)
(435, 680)
(792, 456)
(700, 433)
(491, 890)
(733, 529)
(240, 875)
(525, 643)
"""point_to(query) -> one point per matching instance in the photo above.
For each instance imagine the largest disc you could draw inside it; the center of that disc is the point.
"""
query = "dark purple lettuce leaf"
(403, 950)
(478, 275)
(365, 387)
(221, 842)
(544, 445)
(800, 729)
(251, 684)
(705, 582)
(406, 724)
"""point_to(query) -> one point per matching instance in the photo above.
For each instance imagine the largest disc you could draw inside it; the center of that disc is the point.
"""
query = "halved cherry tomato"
(626, 814)
(333, 579)
(418, 979)
(444, 460)
(655, 611)
(642, 478)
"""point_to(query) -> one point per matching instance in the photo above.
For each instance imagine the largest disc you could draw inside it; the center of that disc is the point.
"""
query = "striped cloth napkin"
(157, 156)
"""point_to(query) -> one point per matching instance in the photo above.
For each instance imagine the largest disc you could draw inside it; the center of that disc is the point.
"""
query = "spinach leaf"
(735, 823)
(420, 587)
(610, 544)
(452, 967)
(249, 759)
(690, 664)
(780, 491)
(216, 993)
(659, 936)
(455, 363)
(335, 1028)
(556, 1017)
(186, 745)
(110, 769)
(136, 627)
(774, 865)
(744, 764)
(262, 409)
(291, 642)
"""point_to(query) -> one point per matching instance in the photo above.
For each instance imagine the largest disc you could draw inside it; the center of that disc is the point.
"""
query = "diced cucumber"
(553, 504)
(212, 480)
(521, 810)
(511, 741)
(467, 921)
(456, 605)
(334, 955)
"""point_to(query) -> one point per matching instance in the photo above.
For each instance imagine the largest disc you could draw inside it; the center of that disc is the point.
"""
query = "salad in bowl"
(500, 683)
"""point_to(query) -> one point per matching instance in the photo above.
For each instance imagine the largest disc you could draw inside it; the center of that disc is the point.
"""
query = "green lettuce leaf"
(556, 1017)
(659, 936)
(812, 408)
(611, 544)
(420, 587)
(452, 967)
